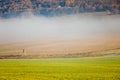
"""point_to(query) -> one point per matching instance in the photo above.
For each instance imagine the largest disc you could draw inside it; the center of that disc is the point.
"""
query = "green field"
(97, 68)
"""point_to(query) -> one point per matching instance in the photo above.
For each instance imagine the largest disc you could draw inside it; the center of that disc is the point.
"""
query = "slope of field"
(58, 50)
(113, 52)
(61, 47)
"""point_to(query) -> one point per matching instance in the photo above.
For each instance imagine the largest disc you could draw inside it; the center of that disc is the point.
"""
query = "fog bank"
(59, 28)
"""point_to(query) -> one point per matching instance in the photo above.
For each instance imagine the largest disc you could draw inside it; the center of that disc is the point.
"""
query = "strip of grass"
(102, 68)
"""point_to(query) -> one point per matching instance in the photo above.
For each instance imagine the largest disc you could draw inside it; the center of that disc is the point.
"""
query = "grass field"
(98, 68)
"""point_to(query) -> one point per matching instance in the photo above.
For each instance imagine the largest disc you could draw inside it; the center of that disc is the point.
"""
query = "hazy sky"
(58, 28)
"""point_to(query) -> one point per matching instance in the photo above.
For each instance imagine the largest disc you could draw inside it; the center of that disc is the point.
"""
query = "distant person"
(23, 50)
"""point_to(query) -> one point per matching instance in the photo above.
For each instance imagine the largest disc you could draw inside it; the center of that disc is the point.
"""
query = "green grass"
(100, 68)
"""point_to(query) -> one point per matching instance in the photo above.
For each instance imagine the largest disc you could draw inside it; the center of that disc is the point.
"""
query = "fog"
(58, 28)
